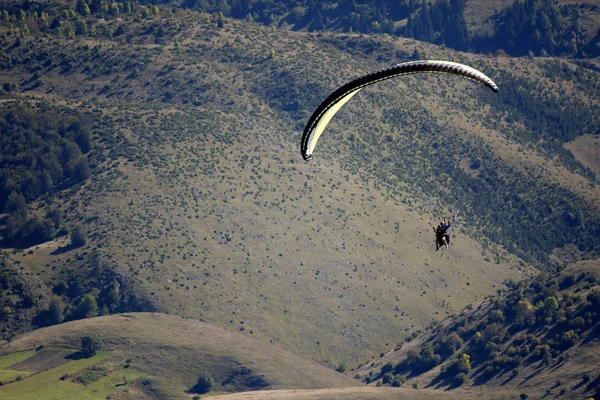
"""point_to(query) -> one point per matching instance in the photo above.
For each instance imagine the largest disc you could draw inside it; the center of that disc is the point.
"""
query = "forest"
(527, 27)
(537, 27)
(42, 150)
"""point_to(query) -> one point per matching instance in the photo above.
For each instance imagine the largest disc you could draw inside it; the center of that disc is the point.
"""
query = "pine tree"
(83, 8)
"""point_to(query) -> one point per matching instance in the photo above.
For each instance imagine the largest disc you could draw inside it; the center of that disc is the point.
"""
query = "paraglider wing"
(332, 104)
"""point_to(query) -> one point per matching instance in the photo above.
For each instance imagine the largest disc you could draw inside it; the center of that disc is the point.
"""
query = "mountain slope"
(174, 352)
(202, 210)
(539, 338)
(201, 207)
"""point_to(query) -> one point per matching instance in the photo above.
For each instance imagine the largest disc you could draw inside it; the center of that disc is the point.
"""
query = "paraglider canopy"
(332, 104)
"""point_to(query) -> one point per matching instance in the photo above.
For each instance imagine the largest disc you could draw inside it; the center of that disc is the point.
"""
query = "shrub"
(90, 345)
(450, 344)
(568, 339)
(87, 377)
(78, 236)
(398, 381)
(594, 299)
(204, 385)
(460, 378)
(387, 378)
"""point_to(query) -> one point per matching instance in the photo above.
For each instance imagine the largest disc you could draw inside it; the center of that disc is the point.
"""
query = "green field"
(48, 385)
(10, 359)
(8, 375)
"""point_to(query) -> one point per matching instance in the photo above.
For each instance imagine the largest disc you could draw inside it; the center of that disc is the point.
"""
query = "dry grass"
(361, 393)
(175, 351)
(586, 149)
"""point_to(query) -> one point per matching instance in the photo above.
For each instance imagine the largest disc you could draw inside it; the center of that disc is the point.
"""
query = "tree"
(114, 10)
(90, 345)
(38, 230)
(88, 307)
(16, 204)
(110, 297)
(14, 224)
(55, 311)
(83, 8)
(204, 385)
(220, 20)
(594, 299)
(78, 236)
(550, 306)
(450, 344)
(55, 215)
(81, 169)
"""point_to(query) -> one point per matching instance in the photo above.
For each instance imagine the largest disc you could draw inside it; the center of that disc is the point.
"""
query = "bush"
(90, 345)
(460, 378)
(78, 236)
(387, 378)
(594, 299)
(204, 385)
(449, 344)
(87, 377)
(398, 381)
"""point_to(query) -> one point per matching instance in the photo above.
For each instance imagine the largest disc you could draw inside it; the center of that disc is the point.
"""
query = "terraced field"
(57, 373)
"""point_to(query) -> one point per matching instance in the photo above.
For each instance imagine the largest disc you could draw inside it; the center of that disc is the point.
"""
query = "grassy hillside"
(60, 373)
(201, 208)
(198, 204)
(170, 354)
(539, 338)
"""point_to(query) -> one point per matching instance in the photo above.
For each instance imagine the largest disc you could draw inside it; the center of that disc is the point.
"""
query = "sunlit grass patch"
(107, 385)
(8, 375)
(51, 384)
(11, 359)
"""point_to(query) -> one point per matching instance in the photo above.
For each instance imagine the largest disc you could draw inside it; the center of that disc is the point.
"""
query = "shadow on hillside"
(509, 379)
(436, 383)
(532, 375)
(481, 377)
(593, 385)
(78, 355)
(580, 384)
(245, 379)
(593, 335)
(64, 249)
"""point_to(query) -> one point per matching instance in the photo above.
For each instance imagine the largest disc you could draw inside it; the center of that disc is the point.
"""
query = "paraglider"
(332, 104)
(442, 237)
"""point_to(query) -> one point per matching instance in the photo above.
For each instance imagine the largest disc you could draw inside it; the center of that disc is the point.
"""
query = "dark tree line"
(536, 27)
(41, 149)
(100, 291)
